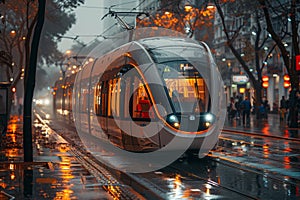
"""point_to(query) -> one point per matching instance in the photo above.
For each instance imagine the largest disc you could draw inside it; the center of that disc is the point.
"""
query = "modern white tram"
(145, 93)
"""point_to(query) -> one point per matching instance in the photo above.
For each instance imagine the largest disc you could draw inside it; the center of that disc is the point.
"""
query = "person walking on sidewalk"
(231, 109)
(246, 107)
(267, 107)
(283, 108)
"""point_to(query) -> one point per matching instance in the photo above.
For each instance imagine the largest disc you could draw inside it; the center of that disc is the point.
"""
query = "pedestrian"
(288, 110)
(237, 106)
(231, 109)
(283, 108)
(275, 108)
(262, 111)
(20, 108)
(245, 106)
(267, 107)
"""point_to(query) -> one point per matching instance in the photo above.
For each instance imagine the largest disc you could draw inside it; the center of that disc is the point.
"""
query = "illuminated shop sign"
(298, 63)
(240, 79)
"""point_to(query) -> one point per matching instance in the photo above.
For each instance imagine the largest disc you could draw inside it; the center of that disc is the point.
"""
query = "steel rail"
(211, 182)
(296, 140)
(103, 176)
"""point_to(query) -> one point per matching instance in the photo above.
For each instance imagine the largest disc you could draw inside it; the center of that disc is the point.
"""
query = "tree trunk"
(30, 83)
(258, 99)
(293, 110)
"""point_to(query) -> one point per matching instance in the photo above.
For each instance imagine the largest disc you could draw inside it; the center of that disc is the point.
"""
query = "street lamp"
(13, 33)
(62, 63)
(210, 6)
(188, 8)
(70, 63)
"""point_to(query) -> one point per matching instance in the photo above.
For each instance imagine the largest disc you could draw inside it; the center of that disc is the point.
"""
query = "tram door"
(113, 111)
(141, 114)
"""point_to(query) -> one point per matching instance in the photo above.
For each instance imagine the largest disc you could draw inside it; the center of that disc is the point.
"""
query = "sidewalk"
(54, 174)
(271, 126)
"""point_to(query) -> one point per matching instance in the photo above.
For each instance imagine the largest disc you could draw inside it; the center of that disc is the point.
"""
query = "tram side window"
(114, 98)
(98, 98)
(70, 94)
(65, 99)
(59, 97)
(141, 102)
(69, 97)
(84, 100)
(103, 106)
(127, 92)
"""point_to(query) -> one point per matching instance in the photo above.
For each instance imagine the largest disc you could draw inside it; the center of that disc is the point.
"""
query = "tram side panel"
(116, 112)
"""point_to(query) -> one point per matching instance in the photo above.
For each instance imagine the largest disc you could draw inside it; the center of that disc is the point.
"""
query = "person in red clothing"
(143, 107)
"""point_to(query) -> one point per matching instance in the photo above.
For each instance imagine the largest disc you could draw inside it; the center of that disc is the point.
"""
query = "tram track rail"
(274, 149)
(259, 135)
(242, 167)
(146, 183)
(143, 181)
(104, 177)
(211, 182)
(256, 151)
(259, 153)
(216, 181)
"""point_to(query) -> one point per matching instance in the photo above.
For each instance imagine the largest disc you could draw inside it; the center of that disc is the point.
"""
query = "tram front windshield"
(185, 85)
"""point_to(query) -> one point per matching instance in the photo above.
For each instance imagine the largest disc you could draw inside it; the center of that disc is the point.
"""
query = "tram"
(143, 94)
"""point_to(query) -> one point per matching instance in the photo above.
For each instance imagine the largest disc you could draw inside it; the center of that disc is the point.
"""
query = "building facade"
(270, 59)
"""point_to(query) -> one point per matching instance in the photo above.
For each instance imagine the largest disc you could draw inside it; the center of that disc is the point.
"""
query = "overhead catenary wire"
(109, 28)
(76, 37)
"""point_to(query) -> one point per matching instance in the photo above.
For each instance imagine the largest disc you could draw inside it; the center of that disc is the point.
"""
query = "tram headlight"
(208, 120)
(173, 121)
(209, 117)
(207, 124)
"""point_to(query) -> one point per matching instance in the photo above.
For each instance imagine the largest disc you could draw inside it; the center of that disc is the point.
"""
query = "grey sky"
(89, 23)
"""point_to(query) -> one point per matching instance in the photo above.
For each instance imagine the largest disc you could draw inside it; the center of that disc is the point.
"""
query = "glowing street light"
(188, 8)
(210, 7)
(68, 52)
(13, 33)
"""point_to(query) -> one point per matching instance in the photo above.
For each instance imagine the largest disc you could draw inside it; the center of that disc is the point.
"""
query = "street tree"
(288, 13)
(30, 82)
(264, 13)
(195, 20)
(18, 21)
(20, 48)
(30, 76)
(246, 52)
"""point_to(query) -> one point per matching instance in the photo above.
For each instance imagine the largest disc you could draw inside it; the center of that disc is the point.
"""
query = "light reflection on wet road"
(208, 179)
(54, 174)
(255, 165)
(279, 156)
(65, 178)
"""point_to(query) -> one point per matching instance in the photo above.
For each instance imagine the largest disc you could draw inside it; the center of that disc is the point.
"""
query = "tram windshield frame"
(185, 86)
